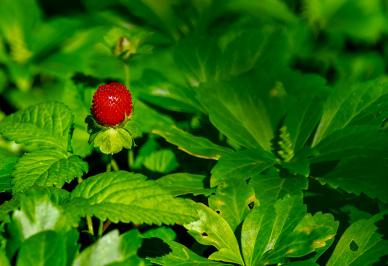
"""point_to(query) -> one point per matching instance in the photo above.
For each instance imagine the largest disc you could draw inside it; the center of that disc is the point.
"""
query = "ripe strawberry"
(112, 104)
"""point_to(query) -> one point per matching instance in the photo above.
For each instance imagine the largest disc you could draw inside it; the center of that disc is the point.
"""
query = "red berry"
(112, 104)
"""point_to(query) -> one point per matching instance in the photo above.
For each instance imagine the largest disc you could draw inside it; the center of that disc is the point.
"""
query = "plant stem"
(112, 165)
(100, 229)
(127, 75)
(90, 225)
(130, 158)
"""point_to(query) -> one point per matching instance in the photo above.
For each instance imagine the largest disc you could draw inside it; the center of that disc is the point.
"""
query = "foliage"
(258, 137)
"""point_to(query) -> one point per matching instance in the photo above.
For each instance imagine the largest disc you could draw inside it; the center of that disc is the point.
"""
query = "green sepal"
(109, 140)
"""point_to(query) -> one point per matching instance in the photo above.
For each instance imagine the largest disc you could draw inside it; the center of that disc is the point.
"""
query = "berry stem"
(112, 165)
(130, 158)
(127, 74)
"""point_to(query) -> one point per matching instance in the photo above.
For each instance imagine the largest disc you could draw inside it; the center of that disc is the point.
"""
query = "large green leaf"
(182, 256)
(3, 259)
(129, 197)
(149, 119)
(271, 233)
(40, 210)
(161, 161)
(242, 164)
(153, 87)
(272, 8)
(237, 110)
(271, 187)
(48, 248)
(350, 142)
(8, 162)
(212, 229)
(301, 120)
(347, 103)
(196, 146)
(47, 168)
(361, 174)
(112, 248)
(17, 22)
(45, 125)
(359, 245)
(184, 183)
(233, 200)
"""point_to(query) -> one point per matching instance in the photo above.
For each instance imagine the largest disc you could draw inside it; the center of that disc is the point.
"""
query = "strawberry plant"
(193, 132)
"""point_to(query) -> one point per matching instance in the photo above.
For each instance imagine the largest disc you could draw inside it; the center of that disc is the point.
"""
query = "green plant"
(258, 134)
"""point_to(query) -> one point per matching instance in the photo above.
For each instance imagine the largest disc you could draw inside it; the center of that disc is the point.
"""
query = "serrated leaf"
(361, 174)
(161, 161)
(111, 248)
(128, 197)
(47, 168)
(345, 104)
(182, 256)
(212, 229)
(193, 145)
(45, 125)
(184, 183)
(48, 248)
(8, 162)
(243, 164)
(360, 245)
(233, 200)
(271, 233)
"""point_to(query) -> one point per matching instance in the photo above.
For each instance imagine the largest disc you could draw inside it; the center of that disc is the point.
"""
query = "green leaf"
(182, 256)
(236, 109)
(360, 245)
(184, 183)
(233, 200)
(157, 89)
(45, 125)
(47, 168)
(48, 248)
(350, 142)
(128, 197)
(111, 248)
(360, 174)
(271, 187)
(271, 233)
(242, 164)
(148, 118)
(302, 119)
(3, 259)
(212, 229)
(346, 104)
(8, 162)
(163, 232)
(40, 210)
(193, 145)
(273, 8)
(161, 161)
